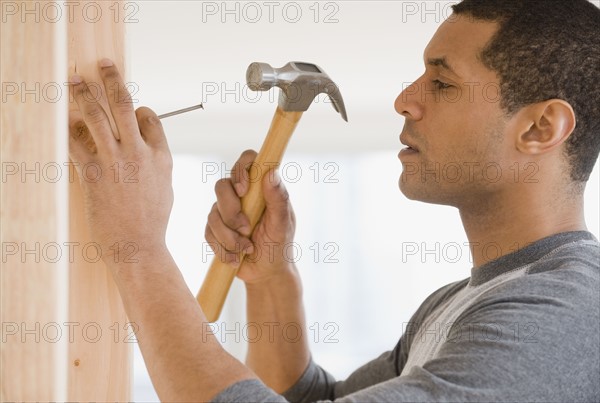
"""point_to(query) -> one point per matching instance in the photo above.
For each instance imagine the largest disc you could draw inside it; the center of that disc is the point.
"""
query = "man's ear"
(544, 126)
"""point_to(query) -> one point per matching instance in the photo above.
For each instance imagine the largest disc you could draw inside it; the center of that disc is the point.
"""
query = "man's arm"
(278, 352)
(281, 354)
(184, 362)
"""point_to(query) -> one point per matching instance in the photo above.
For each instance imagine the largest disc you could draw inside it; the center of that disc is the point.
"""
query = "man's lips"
(405, 152)
(411, 148)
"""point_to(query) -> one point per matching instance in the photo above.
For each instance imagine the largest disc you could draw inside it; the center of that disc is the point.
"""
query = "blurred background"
(367, 255)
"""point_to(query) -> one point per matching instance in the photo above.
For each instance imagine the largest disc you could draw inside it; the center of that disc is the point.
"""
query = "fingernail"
(75, 79)
(106, 62)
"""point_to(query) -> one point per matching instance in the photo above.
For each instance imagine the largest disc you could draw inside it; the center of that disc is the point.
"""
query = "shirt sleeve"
(317, 384)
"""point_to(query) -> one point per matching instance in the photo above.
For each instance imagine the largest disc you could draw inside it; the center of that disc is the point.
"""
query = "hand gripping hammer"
(300, 83)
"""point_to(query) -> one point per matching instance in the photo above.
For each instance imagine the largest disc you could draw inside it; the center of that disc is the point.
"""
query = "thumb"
(277, 199)
(151, 127)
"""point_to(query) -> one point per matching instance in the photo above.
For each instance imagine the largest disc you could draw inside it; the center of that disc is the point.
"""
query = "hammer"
(300, 83)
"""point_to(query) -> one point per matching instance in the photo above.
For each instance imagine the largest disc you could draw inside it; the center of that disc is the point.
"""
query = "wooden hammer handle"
(216, 284)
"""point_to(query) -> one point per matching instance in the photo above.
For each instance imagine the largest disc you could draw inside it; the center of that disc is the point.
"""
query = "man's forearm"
(280, 354)
(184, 363)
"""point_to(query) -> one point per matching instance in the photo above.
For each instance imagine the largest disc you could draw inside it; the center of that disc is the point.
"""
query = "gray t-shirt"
(524, 327)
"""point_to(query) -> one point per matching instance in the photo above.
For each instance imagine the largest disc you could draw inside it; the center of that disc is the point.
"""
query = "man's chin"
(410, 190)
(422, 192)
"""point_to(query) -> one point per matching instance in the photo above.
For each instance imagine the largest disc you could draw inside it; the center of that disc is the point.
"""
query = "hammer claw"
(338, 104)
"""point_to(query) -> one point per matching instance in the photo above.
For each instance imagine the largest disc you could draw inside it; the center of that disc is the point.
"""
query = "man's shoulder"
(558, 284)
(582, 256)
(571, 271)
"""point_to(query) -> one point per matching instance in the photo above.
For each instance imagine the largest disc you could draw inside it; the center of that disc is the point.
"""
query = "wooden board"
(33, 208)
(43, 295)
(100, 364)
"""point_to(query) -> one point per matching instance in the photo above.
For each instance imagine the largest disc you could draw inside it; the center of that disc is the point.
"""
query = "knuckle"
(77, 128)
(94, 113)
(248, 154)
(123, 105)
(220, 185)
(121, 98)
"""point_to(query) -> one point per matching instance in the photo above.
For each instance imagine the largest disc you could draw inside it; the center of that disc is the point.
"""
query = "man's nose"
(407, 103)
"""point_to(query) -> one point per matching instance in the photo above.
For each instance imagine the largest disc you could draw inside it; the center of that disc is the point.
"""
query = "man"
(540, 299)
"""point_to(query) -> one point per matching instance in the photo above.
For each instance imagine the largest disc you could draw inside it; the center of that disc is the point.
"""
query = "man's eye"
(441, 85)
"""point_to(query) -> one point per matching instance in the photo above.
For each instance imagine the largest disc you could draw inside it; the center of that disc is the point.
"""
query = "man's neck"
(506, 225)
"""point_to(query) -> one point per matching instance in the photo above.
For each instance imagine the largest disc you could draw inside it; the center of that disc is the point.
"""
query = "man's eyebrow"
(441, 62)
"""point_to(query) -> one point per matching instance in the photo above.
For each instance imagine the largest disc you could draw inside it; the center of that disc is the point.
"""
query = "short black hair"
(548, 49)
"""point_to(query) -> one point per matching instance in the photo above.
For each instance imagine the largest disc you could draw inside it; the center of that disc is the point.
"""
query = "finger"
(278, 209)
(151, 128)
(230, 258)
(81, 143)
(229, 239)
(230, 207)
(211, 240)
(78, 152)
(93, 114)
(120, 103)
(240, 175)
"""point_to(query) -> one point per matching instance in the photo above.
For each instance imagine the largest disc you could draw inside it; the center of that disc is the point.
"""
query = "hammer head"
(300, 83)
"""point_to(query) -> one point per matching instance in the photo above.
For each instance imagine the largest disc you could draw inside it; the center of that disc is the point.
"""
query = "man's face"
(454, 120)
